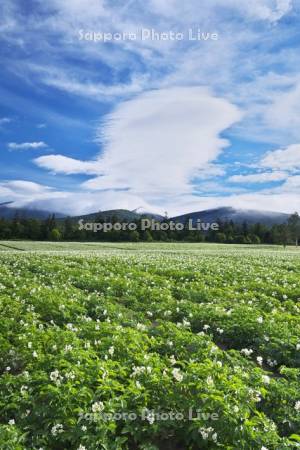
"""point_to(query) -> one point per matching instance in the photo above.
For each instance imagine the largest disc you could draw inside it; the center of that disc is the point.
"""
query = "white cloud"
(63, 164)
(28, 193)
(285, 199)
(263, 177)
(27, 145)
(282, 201)
(75, 203)
(286, 158)
(156, 143)
(25, 187)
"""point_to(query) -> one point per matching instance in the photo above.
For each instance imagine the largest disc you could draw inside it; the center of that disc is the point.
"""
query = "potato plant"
(141, 348)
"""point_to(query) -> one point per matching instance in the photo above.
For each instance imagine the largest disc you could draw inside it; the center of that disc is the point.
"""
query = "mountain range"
(224, 214)
(238, 216)
(8, 211)
(123, 215)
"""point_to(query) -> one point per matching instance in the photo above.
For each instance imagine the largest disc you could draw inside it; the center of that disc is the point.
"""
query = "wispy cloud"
(152, 63)
(27, 145)
(263, 177)
(84, 84)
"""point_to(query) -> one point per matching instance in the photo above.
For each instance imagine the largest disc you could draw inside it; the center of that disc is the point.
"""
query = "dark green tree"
(294, 227)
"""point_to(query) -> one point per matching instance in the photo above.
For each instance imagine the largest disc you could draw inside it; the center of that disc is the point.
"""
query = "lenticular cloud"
(158, 141)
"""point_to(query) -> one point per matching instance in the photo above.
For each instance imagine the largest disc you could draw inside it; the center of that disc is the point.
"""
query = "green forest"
(229, 232)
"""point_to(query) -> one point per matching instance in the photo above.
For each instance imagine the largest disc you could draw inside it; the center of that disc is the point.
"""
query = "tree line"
(229, 232)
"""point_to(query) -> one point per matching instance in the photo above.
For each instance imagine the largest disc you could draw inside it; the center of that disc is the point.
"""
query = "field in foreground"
(149, 347)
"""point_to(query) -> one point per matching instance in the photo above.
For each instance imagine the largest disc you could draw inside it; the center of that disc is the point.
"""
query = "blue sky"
(159, 123)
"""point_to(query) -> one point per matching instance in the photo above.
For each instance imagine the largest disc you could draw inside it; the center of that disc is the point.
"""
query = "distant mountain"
(121, 215)
(7, 211)
(6, 203)
(251, 216)
(238, 216)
